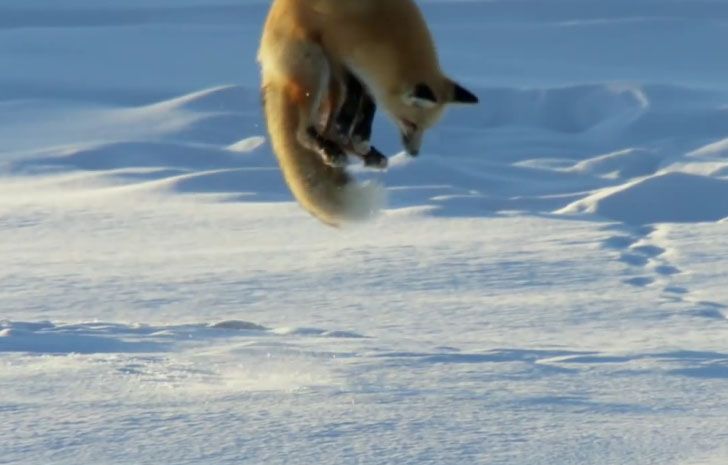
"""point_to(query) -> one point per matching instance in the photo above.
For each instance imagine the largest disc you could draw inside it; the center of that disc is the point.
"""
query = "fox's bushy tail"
(328, 193)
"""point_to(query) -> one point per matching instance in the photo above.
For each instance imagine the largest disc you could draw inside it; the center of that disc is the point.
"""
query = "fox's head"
(419, 107)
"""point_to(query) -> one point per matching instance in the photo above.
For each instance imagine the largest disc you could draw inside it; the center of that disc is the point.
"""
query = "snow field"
(546, 285)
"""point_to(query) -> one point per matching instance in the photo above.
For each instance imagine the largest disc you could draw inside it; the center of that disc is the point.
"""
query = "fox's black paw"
(375, 159)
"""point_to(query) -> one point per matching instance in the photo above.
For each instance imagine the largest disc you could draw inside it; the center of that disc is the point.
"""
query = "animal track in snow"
(647, 264)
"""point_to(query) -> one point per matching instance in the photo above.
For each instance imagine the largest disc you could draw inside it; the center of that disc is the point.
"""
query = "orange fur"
(305, 46)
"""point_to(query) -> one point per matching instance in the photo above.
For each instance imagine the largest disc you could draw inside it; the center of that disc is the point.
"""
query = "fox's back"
(388, 39)
(381, 36)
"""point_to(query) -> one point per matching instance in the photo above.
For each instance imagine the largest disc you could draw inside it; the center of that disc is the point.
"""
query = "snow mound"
(102, 337)
(50, 339)
(717, 149)
(128, 154)
(247, 145)
(214, 99)
(238, 325)
(316, 332)
(570, 109)
(665, 198)
(627, 163)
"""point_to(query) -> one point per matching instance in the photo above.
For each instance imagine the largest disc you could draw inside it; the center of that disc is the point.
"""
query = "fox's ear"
(421, 96)
(462, 95)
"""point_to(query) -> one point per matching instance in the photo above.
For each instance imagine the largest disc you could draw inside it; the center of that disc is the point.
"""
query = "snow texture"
(545, 287)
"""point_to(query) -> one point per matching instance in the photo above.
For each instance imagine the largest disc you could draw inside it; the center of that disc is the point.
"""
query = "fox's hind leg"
(306, 69)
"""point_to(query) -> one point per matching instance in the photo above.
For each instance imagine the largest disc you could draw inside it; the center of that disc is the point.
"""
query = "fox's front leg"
(361, 133)
(353, 122)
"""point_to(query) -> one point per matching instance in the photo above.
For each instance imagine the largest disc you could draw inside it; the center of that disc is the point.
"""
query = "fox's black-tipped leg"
(349, 111)
(353, 123)
(351, 130)
(361, 133)
(375, 159)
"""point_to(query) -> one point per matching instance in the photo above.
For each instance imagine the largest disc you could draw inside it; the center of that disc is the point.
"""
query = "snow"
(545, 287)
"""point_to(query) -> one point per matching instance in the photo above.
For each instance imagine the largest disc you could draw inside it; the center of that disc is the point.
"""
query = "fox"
(326, 65)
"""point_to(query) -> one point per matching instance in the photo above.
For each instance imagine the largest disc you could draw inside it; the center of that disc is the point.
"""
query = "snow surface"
(547, 286)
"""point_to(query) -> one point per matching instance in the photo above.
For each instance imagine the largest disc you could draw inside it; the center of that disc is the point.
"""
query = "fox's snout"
(412, 141)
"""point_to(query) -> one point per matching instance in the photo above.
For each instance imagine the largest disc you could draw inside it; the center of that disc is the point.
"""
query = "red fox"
(312, 53)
